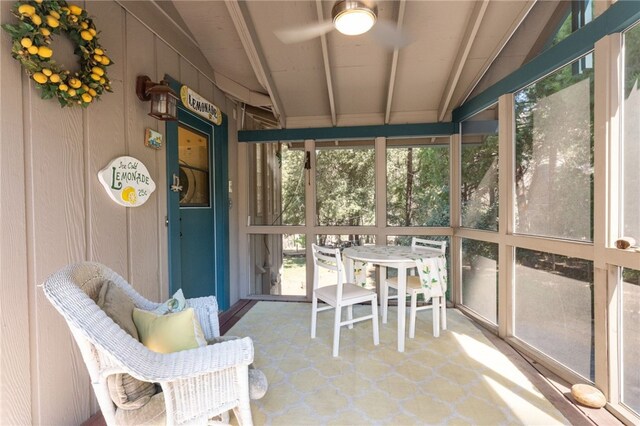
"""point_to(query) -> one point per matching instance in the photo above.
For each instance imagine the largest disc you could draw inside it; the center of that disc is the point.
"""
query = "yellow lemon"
(99, 51)
(93, 93)
(26, 9)
(36, 19)
(55, 78)
(93, 31)
(63, 87)
(75, 83)
(26, 42)
(33, 50)
(86, 35)
(45, 52)
(105, 60)
(75, 10)
(87, 97)
(54, 14)
(97, 70)
(84, 25)
(73, 18)
(65, 10)
(47, 72)
(45, 32)
(102, 81)
(72, 92)
(40, 78)
(97, 58)
(38, 1)
(95, 77)
(129, 195)
(52, 22)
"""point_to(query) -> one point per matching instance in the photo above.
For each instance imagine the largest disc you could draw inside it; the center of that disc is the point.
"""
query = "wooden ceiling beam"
(246, 31)
(473, 25)
(527, 6)
(327, 66)
(394, 64)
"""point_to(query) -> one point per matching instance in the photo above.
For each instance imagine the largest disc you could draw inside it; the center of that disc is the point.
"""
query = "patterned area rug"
(459, 378)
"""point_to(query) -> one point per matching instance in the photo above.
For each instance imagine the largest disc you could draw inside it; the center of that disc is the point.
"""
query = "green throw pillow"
(169, 333)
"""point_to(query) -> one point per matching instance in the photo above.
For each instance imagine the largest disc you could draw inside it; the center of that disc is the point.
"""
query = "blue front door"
(197, 203)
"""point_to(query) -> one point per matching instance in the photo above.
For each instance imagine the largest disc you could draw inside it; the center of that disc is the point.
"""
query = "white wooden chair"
(414, 288)
(197, 384)
(339, 295)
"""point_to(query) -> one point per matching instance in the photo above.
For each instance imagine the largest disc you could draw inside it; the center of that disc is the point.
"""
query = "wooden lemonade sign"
(196, 103)
(127, 181)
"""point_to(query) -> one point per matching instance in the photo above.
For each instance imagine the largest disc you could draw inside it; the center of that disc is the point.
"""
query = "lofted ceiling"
(339, 80)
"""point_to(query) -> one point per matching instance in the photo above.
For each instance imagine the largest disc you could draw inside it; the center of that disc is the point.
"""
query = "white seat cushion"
(349, 291)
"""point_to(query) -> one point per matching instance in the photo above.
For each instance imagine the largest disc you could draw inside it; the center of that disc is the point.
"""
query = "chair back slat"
(328, 258)
(432, 245)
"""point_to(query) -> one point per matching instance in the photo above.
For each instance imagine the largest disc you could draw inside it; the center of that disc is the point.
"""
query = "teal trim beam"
(352, 132)
(617, 18)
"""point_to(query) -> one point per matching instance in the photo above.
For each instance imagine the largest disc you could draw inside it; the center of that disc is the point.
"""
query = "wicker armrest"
(150, 366)
(206, 309)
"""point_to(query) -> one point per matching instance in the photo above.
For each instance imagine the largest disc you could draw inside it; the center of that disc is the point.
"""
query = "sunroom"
(507, 131)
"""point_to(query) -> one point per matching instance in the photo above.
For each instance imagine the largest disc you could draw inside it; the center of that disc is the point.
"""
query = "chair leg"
(374, 314)
(336, 330)
(314, 316)
(412, 314)
(385, 301)
(443, 307)
(243, 409)
(436, 316)
(350, 314)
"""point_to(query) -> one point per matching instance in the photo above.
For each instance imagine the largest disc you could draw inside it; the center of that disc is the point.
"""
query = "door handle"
(175, 186)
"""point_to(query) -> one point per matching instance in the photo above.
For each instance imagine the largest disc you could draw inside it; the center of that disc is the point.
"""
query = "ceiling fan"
(350, 17)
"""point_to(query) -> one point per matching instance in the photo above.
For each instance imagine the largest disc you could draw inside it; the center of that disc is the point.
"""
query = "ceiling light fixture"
(353, 17)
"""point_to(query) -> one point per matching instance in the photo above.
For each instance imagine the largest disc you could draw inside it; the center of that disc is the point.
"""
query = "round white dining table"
(398, 257)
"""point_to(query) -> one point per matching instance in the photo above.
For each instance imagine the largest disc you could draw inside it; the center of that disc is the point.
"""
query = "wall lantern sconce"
(163, 98)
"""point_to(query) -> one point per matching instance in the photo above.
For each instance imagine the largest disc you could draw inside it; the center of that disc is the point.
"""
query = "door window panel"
(479, 166)
(193, 159)
(418, 182)
(345, 183)
(554, 154)
(554, 307)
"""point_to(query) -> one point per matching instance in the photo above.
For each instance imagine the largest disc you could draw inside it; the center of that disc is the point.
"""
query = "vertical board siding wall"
(54, 211)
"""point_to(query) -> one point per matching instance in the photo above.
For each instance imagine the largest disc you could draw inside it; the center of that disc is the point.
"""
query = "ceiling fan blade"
(388, 35)
(303, 33)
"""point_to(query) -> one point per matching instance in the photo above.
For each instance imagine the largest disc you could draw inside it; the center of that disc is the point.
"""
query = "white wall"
(53, 210)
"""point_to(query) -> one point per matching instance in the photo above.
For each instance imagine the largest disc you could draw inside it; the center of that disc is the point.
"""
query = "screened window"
(479, 191)
(554, 161)
(418, 182)
(554, 307)
(630, 176)
(630, 341)
(278, 264)
(278, 184)
(480, 278)
(345, 183)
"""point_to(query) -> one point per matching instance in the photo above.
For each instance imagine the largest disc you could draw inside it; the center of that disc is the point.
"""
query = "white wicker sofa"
(197, 384)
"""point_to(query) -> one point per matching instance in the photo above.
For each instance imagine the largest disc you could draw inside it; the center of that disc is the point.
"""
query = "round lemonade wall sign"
(127, 181)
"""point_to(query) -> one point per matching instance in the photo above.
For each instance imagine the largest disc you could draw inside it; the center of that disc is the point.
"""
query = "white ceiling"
(342, 80)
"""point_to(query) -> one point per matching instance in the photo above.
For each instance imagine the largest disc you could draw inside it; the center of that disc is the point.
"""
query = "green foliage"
(418, 186)
(479, 190)
(345, 187)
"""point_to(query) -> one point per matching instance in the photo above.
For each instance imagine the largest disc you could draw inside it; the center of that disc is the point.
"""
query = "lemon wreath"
(39, 20)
